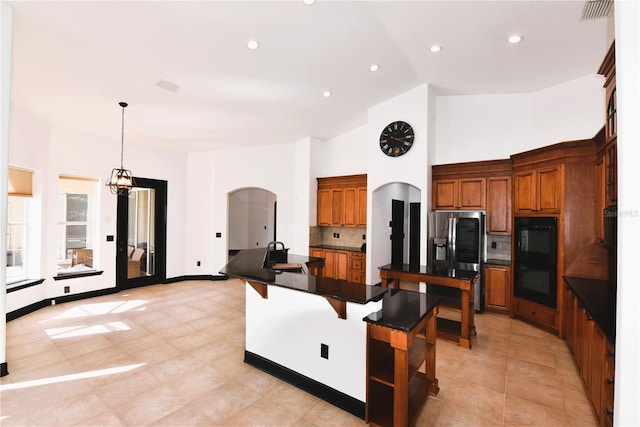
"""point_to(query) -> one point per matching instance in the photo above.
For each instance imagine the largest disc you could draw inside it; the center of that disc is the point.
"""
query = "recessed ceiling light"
(515, 39)
(374, 67)
(308, 2)
(326, 94)
(253, 44)
(435, 48)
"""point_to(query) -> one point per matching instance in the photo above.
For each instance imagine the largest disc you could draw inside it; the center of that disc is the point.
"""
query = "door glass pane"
(141, 233)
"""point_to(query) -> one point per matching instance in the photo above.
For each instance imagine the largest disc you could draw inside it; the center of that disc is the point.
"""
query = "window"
(17, 214)
(77, 224)
(20, 193)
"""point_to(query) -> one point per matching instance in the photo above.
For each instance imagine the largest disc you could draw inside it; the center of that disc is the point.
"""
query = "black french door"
(141, 240)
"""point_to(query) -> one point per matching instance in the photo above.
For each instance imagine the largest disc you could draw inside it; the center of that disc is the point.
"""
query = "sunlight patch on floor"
(71, 377)
(78, 331)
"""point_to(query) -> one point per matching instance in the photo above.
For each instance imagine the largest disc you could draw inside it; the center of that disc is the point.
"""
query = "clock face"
(396, 139)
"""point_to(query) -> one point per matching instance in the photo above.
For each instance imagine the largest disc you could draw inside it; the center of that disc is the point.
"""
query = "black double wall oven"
(535, 275)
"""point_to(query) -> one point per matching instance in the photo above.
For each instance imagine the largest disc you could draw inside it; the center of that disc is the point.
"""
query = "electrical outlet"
(364, 237)
(67, 289)
(198, 263)
(218, 234)
(494, 245)
(337, 235)
(324, 351)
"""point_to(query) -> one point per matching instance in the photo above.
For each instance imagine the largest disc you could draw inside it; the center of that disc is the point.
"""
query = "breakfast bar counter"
(312, 332)
(462, 280)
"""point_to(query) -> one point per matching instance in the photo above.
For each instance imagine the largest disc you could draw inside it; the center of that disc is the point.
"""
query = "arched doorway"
(383, 201)
(251, 219)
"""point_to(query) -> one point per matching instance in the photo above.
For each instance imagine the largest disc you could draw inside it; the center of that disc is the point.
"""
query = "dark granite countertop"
(432, 271)
(403, 310)
(248, 265)
(337, 248)
(495, 261)
(599, 299)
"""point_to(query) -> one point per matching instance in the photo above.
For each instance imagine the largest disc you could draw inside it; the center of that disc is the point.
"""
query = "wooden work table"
(435, 278)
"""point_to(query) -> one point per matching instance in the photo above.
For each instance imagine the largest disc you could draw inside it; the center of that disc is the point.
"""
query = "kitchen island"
(434, 277)
(309, 330)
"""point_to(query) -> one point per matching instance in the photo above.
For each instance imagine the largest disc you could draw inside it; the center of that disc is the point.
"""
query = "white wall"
(490, 127)
(272, 168)
(51, 152)
(289, 326)
(411, 168)
(199, 207)
(627, 382)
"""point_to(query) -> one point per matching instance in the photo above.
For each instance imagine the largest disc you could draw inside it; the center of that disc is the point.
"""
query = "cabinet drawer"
(356, 276)
(359, 255)
(536, 313)
(356, 264)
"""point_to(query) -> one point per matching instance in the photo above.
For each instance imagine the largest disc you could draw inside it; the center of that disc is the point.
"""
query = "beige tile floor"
(172, 355)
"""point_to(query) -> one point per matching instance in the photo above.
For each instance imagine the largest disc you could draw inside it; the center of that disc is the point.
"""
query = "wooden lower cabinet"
(497, 295)
(542, 316)
(338, 264)
(357, 267)
(594, 357)
(396, 386)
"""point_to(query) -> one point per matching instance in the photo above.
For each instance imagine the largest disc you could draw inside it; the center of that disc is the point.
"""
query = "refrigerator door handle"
(452, 238)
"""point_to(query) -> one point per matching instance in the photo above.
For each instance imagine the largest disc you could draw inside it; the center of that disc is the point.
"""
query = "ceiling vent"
(594, 9)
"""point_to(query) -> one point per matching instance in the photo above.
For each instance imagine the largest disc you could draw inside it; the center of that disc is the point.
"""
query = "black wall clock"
(396, 139)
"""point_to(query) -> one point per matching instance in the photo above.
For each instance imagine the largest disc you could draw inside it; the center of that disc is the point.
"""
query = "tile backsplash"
(502, 251)
(337, 236)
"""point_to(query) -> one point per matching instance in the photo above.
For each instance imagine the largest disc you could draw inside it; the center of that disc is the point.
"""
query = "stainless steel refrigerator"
(457, 240)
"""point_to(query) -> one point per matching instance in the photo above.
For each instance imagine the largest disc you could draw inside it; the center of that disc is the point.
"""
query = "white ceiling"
(74, 61)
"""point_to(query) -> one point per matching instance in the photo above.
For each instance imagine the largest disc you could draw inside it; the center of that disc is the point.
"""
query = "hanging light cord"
(123, 105)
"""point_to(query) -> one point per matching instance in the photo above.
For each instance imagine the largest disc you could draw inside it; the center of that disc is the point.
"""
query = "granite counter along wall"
(349, 236)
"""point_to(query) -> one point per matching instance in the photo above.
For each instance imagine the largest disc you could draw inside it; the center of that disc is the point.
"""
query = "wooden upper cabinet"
(499, 205)
(337, 207)
(538, 190)
(350, 207)
(362, 207)
(342, 201)
(464, 193)
(608, 70)
(324, 207)
(600, 200)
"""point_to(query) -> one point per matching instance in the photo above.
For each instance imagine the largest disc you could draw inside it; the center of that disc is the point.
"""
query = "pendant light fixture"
(121, 180)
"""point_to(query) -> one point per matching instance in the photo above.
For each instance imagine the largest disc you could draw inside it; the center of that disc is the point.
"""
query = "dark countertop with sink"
(599, 299)
(401, 309)
(248, 265)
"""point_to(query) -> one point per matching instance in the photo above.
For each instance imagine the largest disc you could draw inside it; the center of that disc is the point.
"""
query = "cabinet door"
(341, 268)
(445, 194)
(611, 165)
(549, 190)
(317, 253)
(524, 191)
(471, 193)
(350, 207)
(499, 205)
(497, 280)
(596, 367)
(337, 206)
(570, 319)
(362, 207)
(584, 340)
(324, 207)
(329, 263)
(600, 200)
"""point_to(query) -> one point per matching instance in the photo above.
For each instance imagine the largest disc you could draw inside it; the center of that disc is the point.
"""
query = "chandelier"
(121, 180)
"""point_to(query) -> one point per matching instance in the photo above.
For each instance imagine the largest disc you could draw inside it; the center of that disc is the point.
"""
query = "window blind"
(20, 182)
